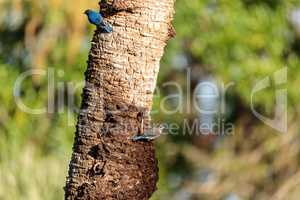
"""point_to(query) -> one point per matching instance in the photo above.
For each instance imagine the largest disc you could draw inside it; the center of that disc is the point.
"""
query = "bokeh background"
(220, 41)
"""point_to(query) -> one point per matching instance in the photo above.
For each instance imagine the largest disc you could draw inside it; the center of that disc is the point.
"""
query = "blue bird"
(97, 19)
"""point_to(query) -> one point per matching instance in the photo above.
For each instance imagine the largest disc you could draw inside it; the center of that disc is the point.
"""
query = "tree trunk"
(120, 80)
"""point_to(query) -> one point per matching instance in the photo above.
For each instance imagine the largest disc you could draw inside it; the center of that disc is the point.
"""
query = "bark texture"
(120, 80)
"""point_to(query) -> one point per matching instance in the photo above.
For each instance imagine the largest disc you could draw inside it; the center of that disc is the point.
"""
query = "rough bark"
(120, 80)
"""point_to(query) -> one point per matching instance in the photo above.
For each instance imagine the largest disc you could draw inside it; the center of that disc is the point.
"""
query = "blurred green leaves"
(239, 44)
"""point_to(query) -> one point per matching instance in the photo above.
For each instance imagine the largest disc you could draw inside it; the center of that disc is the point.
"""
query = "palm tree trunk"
(120, 80)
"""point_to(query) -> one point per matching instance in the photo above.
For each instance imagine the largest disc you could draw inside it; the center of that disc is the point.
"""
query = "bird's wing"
(106, 27)
(146, 137)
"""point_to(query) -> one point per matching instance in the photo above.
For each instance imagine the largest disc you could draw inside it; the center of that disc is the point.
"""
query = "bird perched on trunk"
(97, 19)
(149, 135)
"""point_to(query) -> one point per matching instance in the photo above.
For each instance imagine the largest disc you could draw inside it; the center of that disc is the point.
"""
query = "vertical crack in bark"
(120, 80)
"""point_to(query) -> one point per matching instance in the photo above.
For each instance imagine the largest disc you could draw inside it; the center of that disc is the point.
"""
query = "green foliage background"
(239, 41)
